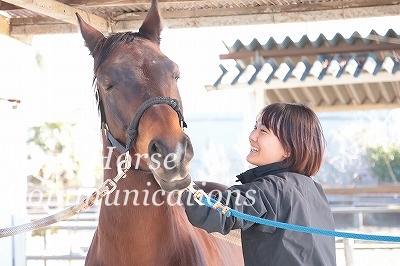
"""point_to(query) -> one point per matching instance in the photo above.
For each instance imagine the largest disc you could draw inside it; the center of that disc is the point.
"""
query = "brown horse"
(140, 222)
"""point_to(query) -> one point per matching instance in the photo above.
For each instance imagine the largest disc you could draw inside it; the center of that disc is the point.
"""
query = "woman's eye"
(177, 77)
(265, 130)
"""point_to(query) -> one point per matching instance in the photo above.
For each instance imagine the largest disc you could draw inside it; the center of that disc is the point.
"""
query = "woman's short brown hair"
(300, 133)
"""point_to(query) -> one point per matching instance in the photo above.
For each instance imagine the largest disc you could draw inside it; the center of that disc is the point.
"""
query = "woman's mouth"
(253, 149)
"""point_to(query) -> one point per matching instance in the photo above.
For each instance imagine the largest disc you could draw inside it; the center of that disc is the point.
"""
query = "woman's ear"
(286, 154)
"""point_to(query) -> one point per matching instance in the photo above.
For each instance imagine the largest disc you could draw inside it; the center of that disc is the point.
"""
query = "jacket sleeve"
(243, 198)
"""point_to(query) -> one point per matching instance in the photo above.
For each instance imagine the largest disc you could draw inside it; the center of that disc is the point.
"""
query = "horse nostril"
(155, 148)
(173, 156)
(188, 149)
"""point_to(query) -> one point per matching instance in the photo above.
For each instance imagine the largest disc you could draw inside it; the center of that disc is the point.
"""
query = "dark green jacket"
(273, 193)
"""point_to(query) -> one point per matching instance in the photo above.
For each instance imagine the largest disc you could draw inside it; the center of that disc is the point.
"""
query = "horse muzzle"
(171, 165)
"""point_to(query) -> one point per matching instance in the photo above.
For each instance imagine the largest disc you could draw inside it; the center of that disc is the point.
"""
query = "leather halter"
(132, 131)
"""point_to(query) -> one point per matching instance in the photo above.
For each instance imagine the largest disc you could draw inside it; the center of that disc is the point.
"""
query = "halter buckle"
(109, 183)
(197, 193)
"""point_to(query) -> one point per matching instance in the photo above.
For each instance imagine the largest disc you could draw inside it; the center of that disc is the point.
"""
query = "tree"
(51, 150)
(385, 162)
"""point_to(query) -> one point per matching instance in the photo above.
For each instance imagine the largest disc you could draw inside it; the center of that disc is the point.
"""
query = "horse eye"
(109, 87)
(104, 84)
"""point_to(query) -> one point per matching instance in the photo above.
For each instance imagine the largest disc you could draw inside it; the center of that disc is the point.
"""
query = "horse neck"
(135, 208)
(148, 234)
(131, 206)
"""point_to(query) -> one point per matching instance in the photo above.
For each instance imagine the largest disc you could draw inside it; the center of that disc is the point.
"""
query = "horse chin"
(177, 184)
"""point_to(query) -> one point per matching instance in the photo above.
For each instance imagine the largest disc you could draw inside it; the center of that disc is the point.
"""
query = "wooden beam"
(197, 16)
(26, 39)
(363, 190)
(38, 29)
(61, 12)
(284, 7)
(5, 29)
(361, 107)
(231, 17)
(6, 6)
(39, 20)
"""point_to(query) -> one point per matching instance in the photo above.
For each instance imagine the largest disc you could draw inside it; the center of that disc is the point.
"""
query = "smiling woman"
(286, 146)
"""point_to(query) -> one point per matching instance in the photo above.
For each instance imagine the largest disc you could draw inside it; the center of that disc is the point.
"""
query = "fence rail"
(353, 202)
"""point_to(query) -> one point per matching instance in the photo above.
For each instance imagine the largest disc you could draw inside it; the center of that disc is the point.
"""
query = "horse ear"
(91, 36)
(151, 25)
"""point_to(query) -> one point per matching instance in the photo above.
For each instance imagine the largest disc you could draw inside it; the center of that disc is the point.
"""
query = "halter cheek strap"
(114, 142)
(132, 131)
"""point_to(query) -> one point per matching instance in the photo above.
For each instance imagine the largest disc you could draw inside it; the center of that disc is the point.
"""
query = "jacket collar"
(261, 171)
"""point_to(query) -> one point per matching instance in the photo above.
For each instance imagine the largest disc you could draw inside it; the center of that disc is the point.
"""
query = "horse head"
(130, 71)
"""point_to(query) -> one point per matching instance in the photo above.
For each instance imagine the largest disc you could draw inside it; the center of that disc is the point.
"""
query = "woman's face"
(265, 148)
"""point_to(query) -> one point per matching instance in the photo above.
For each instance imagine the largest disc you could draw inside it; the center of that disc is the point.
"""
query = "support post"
(348, 251)
(4, 26)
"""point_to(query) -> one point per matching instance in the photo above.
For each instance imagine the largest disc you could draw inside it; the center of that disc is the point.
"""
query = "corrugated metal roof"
(338, 73)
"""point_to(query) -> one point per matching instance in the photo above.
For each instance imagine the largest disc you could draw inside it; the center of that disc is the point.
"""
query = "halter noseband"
(132, 131)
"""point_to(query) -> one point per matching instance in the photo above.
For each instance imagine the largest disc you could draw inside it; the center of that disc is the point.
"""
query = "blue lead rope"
(216, 205)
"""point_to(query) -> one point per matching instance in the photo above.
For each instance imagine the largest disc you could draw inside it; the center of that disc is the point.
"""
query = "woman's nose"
(253, 135)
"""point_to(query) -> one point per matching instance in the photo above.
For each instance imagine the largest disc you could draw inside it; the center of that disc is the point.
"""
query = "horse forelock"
(107, 45)
(101, 52)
